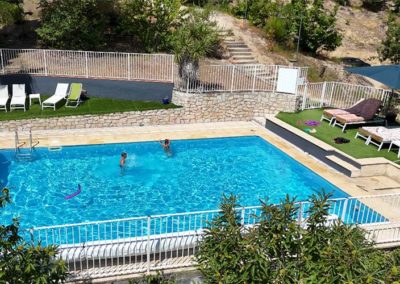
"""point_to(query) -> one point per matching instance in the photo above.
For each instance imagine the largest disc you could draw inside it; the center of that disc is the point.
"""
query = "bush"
(10, 12)
(390, 49)
(279, 250)
(151, 22)
(25, 263)
(277, 29)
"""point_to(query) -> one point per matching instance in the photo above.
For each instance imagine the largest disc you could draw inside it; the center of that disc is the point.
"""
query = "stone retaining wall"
(195, 108)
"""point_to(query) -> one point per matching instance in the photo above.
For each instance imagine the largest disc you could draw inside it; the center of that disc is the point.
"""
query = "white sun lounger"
(378, 136)
(59, 95)
(18, 99)
(4, 97)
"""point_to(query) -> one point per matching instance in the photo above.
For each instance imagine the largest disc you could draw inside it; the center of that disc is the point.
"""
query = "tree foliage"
(10, 12)
(279, 250)
(26, 263)
(151, 22)
(195, 38)
(390, 49)
(75, 24)
(281, 21)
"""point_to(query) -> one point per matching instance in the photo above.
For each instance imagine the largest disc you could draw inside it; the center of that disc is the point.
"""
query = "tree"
(26, 263)
(195, 38)
(390, 49)
(280, 250)
(318, 31)
(10, 12)
(151, 22)
(75, 24)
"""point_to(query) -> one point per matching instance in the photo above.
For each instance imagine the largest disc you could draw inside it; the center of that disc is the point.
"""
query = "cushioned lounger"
(378, 135)
(330, 114)
(367, 114)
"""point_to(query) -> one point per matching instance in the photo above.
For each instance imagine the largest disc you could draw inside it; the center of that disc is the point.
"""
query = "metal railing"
(338, 94)
(88, 64)
(143, 244)
(234, 78)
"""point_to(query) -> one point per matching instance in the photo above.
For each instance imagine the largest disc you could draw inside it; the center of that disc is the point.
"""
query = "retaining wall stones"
(195, 108)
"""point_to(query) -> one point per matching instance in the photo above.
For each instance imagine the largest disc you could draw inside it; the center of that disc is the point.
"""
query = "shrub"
(10, 12)
(25, 263)
(279, 250)
(75, 24)
(390, 48)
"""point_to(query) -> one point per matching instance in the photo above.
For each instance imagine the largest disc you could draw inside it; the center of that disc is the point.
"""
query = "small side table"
(34, 96)
(396, 143)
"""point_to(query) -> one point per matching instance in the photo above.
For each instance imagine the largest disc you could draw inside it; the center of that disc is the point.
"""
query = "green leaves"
(10, 12)
(279, 250)
(390, 49)
(75, 24)
(24, 263)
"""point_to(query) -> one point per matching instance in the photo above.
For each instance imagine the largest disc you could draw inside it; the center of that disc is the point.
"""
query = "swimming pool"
(193, 179)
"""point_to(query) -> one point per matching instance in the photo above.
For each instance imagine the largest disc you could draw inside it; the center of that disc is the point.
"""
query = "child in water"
(122, 160)
(166, 146)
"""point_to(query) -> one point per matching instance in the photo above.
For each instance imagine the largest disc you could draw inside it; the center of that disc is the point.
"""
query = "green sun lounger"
(74, 97)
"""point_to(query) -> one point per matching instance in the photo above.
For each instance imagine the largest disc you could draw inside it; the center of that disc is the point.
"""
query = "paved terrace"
(362, 186)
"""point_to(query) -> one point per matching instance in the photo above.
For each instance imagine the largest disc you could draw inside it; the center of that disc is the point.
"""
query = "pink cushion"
(335, 112)
(346, 118)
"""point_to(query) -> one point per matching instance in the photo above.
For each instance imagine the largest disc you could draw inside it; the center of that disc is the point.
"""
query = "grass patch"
(90, 106)
(326, 133)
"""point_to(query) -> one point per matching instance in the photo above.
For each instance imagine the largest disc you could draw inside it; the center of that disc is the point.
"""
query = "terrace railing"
(88, 64)
(338, 94)
(143, 244)
(234, 78)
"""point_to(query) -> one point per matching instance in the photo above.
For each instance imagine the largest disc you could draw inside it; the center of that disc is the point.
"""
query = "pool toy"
(313, 130)
(75, 193)
(312, 123)
(310, 130)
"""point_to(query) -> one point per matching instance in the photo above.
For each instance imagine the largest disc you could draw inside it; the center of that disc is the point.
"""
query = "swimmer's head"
(166, 141)
(124, 154)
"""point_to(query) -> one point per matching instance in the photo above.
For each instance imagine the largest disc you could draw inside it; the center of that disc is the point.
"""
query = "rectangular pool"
(193, 179)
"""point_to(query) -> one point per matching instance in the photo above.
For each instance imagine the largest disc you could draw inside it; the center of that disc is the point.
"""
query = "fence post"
(233, 77)
(303, 104)
(242, 216)
(346, 201)
(254, 78)
(187, 84)
(129, 66)
(300, 216)
(45, 62)
(148, 244)
(321, 104)
(2, 61)
(32, 236)
(172, 68)
(86, 64)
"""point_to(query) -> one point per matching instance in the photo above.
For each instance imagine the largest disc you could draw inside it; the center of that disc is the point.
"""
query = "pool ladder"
(29, 145)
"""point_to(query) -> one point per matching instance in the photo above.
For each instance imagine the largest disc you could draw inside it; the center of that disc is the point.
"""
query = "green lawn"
(326, 133)
(90, 106)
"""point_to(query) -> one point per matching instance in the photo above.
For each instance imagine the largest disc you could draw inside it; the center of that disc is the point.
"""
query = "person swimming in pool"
(166, 146)
(124, 155)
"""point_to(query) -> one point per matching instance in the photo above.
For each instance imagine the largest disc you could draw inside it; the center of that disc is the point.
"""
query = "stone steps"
(239, 52)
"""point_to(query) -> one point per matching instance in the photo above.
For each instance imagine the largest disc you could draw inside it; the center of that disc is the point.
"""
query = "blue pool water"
(193, 179)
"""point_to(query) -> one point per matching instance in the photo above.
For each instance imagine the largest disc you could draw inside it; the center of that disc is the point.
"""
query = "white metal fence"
(338, 94)
(143, 244)
(234, 78)
(88, 64)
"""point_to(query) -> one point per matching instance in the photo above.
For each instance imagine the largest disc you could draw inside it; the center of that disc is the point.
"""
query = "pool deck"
(365, 186)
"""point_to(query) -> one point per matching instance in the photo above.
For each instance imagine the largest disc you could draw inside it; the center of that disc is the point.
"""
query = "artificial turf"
(92, 105)
(326, 133)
